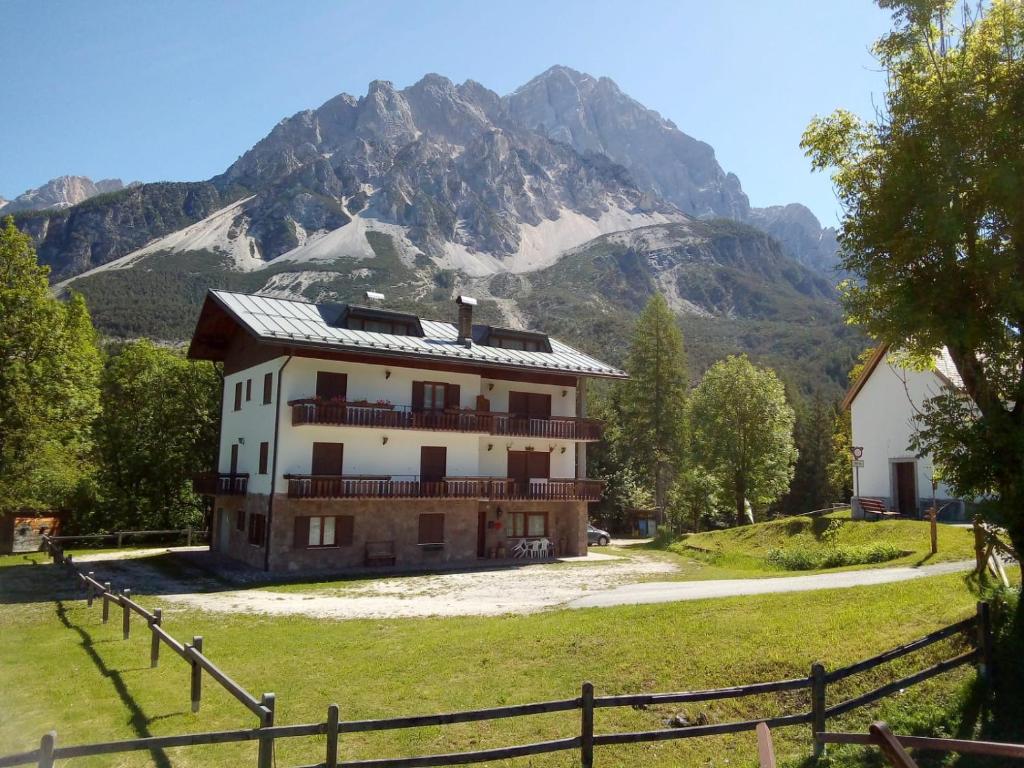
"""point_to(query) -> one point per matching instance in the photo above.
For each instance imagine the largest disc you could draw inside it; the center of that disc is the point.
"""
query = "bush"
(832, 557)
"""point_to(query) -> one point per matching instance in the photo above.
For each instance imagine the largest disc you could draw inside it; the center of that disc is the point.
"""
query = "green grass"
(61, 668)
(749, 549)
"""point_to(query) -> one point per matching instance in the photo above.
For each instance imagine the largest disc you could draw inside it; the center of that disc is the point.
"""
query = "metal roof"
(296, 322)
(942, 366)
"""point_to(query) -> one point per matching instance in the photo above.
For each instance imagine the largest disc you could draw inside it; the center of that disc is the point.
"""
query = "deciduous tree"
(742, 432)
(933, 227)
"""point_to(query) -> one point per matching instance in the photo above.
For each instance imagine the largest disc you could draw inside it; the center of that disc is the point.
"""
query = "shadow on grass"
(138, 721)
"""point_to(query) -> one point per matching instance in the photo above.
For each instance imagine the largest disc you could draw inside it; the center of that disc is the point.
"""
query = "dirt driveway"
(492, 592)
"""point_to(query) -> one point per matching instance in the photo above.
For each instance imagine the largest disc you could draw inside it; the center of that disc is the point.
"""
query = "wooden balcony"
(403, 417)
(221, 483)
(412, 487)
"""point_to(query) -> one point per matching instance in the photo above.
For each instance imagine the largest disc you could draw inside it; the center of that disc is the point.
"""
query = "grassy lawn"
(61, 668)
(743, 552)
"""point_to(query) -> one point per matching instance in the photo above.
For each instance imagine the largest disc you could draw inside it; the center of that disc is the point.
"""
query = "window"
(527, 524)
(264, 457)
(327, 458)
(268, 388)
(240, 519)
(234, 458)
(331, 385)
(257, 529)
(524, 466)
(248, 390)
(323, 531)
(238, 395)
(523, 345)
(431, 528)
(533, 405)
(435, 395)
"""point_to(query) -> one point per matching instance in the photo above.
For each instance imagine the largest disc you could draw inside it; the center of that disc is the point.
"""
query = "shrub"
(832, 557)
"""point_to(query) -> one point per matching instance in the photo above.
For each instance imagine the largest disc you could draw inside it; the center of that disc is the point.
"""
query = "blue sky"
(176, 91)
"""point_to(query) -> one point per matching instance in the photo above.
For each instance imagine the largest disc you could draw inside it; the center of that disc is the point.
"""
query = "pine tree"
(652, 403)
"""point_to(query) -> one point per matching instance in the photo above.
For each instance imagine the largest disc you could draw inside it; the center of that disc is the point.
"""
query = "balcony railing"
(404, 417)
(221, 483)
(412, 487)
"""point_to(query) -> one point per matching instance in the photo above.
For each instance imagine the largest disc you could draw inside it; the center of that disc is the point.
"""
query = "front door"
(906, 488)
(481, 533)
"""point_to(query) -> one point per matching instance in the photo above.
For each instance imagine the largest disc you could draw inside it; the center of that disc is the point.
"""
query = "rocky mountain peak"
(61, 192)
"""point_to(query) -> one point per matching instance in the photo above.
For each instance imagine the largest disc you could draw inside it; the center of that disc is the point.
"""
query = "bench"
(875, 509)
(380, 553)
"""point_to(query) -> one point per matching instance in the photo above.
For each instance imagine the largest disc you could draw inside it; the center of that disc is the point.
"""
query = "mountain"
(801, 234)
(441, 187)
(62, 192)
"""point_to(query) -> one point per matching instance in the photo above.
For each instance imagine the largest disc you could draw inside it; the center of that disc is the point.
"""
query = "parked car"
(597, 536)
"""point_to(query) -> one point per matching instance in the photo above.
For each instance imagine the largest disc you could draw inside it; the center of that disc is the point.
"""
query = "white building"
(883, 403)
(355, 436)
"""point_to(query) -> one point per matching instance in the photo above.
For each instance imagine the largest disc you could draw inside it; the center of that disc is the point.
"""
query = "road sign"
(858, 462)
(858, 452)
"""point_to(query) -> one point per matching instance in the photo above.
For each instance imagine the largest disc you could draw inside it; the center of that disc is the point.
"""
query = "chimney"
(466, 304)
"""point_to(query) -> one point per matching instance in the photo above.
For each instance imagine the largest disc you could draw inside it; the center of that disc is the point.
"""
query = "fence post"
(120, 538)
(985, 641)
(587, 726)
(818, 706)
(154, 642)
(197, 674)
(332, 737)
(126, 614)
(46, 747)
(979, 546)
(91, 592)
(266, 753)
(106, 601)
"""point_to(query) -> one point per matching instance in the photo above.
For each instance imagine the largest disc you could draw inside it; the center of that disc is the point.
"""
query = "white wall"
(365, 450)
(883, 422)
(253, 424)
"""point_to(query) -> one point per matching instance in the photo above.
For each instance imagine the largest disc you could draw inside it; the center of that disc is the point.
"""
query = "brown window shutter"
(518, 403)
(264, 457)
(540, 406)
(344, 526)
(238, 395)
(301, 533)
(433, 463)
(417, 395)
(328, 458)
(268, 388)
(538, 464)
(517, 465)
(452, 395)
(431, 528)
(234, 458)
(248, 390)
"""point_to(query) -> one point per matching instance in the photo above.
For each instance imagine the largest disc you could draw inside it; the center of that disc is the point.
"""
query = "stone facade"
(394, 522)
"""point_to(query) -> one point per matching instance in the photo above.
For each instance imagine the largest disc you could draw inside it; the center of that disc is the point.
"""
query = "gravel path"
(675, 591)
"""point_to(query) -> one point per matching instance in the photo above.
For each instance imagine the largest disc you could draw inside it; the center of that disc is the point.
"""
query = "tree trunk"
(741, 500)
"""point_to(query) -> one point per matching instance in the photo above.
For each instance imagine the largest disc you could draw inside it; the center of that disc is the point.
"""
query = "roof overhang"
(865, 374)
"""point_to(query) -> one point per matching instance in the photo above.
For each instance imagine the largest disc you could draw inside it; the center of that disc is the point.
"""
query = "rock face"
(62, 192)
(593, 115)
(801, 234)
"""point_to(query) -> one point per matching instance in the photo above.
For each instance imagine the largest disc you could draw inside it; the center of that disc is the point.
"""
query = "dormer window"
(373, 320)
(522, 341)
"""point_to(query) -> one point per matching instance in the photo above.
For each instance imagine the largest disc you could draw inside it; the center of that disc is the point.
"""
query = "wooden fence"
(189, 534)
(989, 549)
(977, 627)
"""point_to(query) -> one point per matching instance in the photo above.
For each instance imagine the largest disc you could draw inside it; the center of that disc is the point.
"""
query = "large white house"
(883, 403)
(356, 435)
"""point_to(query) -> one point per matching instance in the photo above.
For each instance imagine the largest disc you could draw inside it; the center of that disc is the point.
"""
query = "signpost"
(858, 462)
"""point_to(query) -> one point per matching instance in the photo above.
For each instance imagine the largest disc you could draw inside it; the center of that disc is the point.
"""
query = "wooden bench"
(875, 509)
(380, 553)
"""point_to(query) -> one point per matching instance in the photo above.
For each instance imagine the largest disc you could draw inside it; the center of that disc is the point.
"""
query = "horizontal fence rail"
(385, 416)
(928, 743)
(978, 627)
(188, 533)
